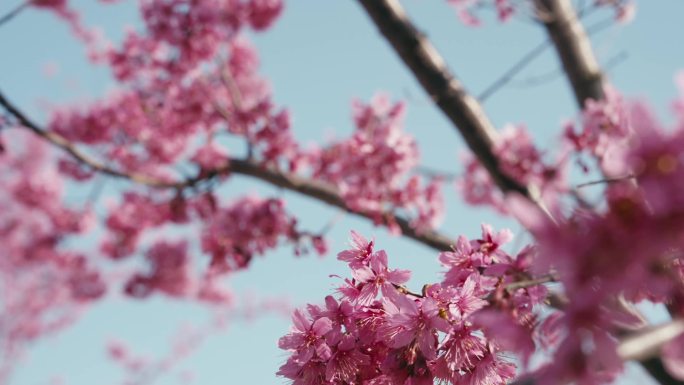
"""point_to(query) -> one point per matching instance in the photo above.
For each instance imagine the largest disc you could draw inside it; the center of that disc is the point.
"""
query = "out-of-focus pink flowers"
(372, 168)
(520, 160)
(43, 287)
(248, 227)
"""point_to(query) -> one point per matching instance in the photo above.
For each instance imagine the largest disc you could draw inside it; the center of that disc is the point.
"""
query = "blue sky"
(318, 57)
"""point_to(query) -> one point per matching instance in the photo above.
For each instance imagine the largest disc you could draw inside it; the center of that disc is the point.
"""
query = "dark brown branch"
(572, 44)
(464, 111)
(320, 191)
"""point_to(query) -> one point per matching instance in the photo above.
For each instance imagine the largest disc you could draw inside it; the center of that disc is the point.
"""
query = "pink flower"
(378, 277)
(408, 321)
(346, 362)
(489, 369)
(307, 338)
(462, 350)
(464, 301)
(506, 332)
(359, 255)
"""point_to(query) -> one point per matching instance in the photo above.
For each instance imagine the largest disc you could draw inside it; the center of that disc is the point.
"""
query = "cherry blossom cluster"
(231, 99)
(188, 78)
(521, 160)
(231, 235)
(193, 90)
(180, 34)
(456, 331)
(42, 285)
(373, 167)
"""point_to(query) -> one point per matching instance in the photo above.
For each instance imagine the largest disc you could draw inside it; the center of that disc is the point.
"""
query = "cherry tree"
(192, 113)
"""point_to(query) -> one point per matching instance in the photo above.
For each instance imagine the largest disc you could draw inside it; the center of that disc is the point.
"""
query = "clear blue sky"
(319, 56)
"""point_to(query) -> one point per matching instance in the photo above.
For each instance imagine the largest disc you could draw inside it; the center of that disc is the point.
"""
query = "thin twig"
(514, 70)
(547, 278)
(557, 73)
(528, 58)
(13, 13)
(605, 181)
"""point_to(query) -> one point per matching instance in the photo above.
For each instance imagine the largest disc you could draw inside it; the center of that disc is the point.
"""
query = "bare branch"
(514, 70)
(574, 49)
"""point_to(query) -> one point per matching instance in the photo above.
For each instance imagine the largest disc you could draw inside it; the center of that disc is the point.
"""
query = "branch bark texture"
(574, 49)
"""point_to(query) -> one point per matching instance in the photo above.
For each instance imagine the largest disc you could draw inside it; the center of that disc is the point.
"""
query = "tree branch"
(320, 191)
(464, 111)
(574, 49)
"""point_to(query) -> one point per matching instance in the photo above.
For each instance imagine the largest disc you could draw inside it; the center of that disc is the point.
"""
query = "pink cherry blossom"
(378, 277)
